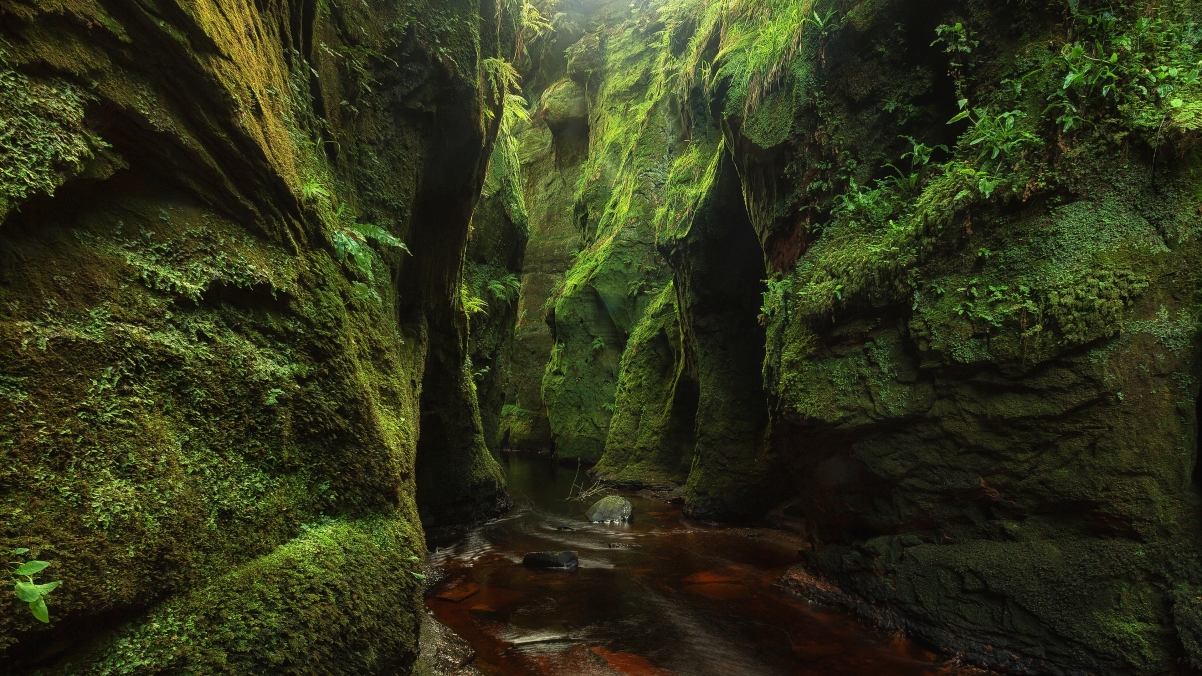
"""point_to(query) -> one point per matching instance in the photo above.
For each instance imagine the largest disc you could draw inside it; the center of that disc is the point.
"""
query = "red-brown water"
(663, 595)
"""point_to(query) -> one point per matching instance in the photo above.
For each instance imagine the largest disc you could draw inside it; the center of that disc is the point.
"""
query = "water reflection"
(661, 595)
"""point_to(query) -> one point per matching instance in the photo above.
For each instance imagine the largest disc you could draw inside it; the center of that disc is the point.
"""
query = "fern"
(312, 190)
(771, 49)
(505, 289)
(533, 25)
(498, 79)
(504, 172)
(472, 304)
(352, 242)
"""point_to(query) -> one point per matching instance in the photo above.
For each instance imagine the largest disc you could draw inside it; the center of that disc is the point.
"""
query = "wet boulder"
(611, 509)
(553, 560)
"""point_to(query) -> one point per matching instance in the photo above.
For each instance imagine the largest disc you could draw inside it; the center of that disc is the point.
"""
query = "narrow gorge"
(882, 314)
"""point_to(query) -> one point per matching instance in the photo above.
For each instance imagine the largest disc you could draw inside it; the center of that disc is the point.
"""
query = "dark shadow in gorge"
(457, 479)
(718, 271)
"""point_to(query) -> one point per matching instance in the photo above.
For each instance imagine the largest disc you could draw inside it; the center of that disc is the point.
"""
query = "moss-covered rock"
(980, 365)
(651, 434)
(216, 361)
(982, 361)
(549, 189)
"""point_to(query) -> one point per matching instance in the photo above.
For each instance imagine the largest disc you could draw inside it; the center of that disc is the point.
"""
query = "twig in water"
(574, 480)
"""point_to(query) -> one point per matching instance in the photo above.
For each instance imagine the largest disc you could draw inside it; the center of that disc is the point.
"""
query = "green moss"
(223, 432)
(635, 137)
(43, 140)
(340, 596)
(651, 432)
(970, 363)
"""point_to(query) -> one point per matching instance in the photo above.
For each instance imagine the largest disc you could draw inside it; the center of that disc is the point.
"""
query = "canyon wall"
(234, 361)
(931, 292)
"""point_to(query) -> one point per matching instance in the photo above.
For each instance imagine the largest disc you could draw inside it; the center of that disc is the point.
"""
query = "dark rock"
(443, 652)
(555, 560)
(611, 509)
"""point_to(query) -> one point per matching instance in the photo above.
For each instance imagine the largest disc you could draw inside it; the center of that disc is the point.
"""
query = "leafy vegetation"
(471, 303)
(505, 289)
(504, 169)
(29, 591)
(351, 246)
(43, 140)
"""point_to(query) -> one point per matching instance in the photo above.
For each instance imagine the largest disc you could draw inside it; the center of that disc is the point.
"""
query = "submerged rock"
(611, 509)
(565, 560)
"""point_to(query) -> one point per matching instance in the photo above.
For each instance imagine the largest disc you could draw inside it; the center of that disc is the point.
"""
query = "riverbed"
(662, 595)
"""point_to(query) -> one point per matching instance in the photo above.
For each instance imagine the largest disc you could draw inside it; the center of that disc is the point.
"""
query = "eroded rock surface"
(223, 380)
(961, 357)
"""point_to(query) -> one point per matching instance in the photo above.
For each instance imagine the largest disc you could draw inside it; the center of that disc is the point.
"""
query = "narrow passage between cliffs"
(660, 595)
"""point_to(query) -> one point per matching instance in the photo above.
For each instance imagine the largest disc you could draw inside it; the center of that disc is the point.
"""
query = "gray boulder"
(612, 509)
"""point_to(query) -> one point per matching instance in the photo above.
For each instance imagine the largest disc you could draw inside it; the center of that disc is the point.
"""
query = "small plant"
(416, 575)
(29, 591)
(999, 137)
(958, 42)
(920, 157)
(472, 304)
(312, 190)
(774, 297)
(598, 344)
(351, 245)
(870, 205)
(505, 289)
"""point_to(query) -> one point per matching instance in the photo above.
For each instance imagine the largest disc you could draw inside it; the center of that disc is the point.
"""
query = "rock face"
(963, 354)
(221, 376)
(610, 509)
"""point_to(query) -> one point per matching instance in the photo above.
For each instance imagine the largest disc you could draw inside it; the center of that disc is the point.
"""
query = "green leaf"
(39, 610)
(20, 550)
(370, 231)
(417, 575)
(31, 568)
(1176, 103)
(960, 116)
(27, 592)
(414, 558)
(44, 589)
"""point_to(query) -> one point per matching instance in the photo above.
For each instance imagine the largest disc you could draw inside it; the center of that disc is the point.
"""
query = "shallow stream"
(662, 595)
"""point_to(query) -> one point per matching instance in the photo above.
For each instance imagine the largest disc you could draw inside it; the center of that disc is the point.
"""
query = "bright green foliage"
(43, 140)
(471, 303)
(504, 175)
(29, 591)
(351, 245)
(505, 289)
(1144, 66)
